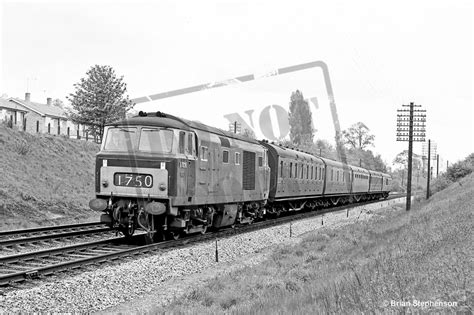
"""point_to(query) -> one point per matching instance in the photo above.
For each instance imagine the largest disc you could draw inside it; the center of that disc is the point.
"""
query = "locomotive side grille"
(248, 171)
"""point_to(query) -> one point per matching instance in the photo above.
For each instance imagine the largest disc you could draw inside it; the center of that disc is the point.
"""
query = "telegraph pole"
(410, 127)
(437, 165)
(429, 171)
(429, 150)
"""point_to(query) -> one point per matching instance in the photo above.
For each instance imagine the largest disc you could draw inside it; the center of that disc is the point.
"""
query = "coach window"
(302, 171)
(281, 169)
(225, 156)
(291, 170)
(204, 153)
(237, 158)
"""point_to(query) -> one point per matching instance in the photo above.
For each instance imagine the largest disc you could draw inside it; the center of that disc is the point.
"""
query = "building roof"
(5, 103)
(42, 109)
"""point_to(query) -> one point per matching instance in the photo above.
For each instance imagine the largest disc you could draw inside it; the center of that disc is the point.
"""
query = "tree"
(358, 137)
(249, 134)
(401, 160)
(58, 103)
(99, 99)
(301, 130)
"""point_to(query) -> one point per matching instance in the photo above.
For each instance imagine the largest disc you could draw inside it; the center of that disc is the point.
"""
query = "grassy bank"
(45, 179)
(375, 266)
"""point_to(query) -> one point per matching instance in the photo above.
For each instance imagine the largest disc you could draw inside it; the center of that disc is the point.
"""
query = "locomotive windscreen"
(120, 139)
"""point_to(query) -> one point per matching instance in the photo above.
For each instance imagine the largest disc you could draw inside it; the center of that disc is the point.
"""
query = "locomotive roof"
(159, 119)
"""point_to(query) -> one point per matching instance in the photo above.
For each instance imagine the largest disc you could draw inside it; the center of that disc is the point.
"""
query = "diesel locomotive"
(169, 176)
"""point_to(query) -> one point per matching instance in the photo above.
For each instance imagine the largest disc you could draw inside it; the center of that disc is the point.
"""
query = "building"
(12, 113)
(36, 117)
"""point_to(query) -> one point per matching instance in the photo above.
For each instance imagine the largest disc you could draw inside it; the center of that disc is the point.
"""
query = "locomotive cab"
(141, 170)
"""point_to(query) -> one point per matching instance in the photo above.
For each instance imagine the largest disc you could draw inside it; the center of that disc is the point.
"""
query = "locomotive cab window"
(190, 148)
(156, 140)
(237, 158)
(120, 139)
(260, 161)
(182, 139)
(225, 156)
(204, 153)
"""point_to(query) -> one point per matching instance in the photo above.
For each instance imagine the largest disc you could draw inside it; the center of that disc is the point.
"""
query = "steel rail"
(114, 249)
(42, 237)
(48, 228)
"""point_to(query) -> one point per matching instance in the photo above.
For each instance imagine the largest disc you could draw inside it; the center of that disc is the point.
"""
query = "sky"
(380, 55)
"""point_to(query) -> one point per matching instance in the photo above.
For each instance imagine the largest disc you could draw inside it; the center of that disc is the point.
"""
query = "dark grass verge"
(380, 265)
(45, 179)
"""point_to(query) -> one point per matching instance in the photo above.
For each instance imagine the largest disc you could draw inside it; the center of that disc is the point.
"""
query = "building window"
(237, 158)
(225, 156)
(204, 153)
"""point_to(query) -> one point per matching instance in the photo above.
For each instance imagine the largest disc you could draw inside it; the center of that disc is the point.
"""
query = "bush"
(21, 147)
(461, 169)
(440, 183)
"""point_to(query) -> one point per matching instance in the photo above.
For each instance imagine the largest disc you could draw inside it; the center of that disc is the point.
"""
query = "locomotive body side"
(162, 173)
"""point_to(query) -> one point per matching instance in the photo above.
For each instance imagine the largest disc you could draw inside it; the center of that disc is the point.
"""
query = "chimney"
(49, 101)
(27, 96)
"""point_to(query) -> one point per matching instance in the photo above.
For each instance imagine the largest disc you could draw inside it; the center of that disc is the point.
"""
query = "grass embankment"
(45, 179)
(423, 255)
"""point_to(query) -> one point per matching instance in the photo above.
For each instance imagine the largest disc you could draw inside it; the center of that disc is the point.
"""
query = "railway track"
(12, 238)
(21, 267)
